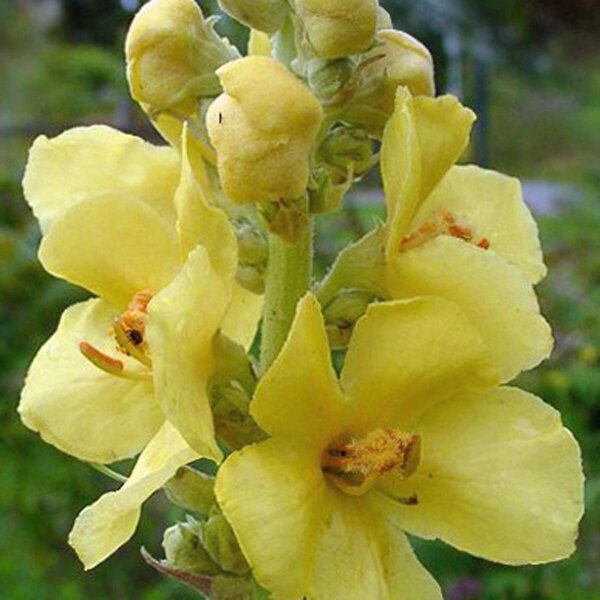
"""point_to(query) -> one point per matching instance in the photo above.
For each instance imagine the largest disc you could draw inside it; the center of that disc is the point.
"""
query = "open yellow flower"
(263, 127)
(414, 436)
(458, 232)
(129, 222)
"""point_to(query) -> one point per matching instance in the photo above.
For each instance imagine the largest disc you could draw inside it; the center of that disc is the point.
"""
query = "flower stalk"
(288, 277)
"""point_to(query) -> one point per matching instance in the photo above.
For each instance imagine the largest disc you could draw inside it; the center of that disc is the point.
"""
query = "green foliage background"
(61, 64)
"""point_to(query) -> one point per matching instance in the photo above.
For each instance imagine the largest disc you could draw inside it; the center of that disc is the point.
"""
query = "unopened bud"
(172, 54)
(184, 551)
(398, 60)
(384, 21)
(347, 306)
(331, 184)
(337, 28)
(264, 15)
(221, 544)
(345, 146)
(263, 127)
(252, 246)
(342, 312)
(327, 77)
(252, 278)
(231, 412)
(191, 490)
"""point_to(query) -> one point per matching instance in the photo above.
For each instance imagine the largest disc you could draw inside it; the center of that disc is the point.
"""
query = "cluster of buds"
(335, 414)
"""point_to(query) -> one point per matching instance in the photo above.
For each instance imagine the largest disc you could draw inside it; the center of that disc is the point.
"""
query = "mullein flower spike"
(429, 314)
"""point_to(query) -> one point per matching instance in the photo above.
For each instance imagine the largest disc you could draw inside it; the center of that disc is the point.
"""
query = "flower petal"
(243, 315)
(86, 161)
(112, 248)
(422, 140)
(101, 528)
(359, 554)
(407, 356)
(501, 478)
(183, 320)
(197, 221)
(303, 538)
(493, 294)
(299, 396)
(80, 409)
(492, 204)
(273, 496)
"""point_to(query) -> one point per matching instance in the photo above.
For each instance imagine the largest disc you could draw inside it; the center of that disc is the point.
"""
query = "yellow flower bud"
(172, 53)
(263, 127)
(337, 28)
(265, 15)
(398, 60)
(384, 21)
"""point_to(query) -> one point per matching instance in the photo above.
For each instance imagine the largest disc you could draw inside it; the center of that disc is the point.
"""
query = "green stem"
(288, 278)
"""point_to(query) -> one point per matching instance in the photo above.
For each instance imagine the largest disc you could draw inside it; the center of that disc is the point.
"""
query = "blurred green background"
(530, 68)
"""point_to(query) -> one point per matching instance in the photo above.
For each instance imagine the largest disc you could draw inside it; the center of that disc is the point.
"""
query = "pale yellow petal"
(273, 495)
(443, 126)
(360, 555)
(84, 162)
(80, 409)
(299, 396)
(491, 204)
(494, 295)
(197, 221)
(422, 140)
(407, 356)
(501, 478)
(183, 320)
(103, 527)
(243, 315)
(305, 539)
(259, 43)
(112, 248)
(401, 165)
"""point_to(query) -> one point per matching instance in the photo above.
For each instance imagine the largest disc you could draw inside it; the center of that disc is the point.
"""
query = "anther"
(355, 465)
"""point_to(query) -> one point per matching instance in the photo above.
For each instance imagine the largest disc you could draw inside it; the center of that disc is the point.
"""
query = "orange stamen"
(355, 464)
(441, 222)
(132, 323)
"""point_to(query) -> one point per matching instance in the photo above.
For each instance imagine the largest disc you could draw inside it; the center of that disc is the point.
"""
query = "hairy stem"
(288, 278)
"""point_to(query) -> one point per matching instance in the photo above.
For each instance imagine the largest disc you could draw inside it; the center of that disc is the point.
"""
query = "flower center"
(441, 223)
(130, 327)
(354, 465)
(128, 331)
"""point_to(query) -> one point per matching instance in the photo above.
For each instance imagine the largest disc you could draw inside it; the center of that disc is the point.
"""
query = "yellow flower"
(417, 437)
(172, 53)
(263, 127)
(459, 232)
(129, 370)
(264, 15)
(337, 28)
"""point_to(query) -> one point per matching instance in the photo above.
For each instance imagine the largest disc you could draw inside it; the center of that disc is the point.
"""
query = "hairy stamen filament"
(110, 365)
